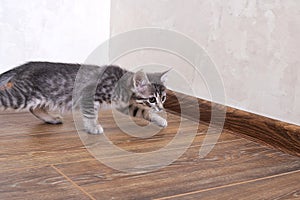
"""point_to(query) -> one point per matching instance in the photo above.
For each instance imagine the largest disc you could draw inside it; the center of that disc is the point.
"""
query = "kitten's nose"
(160, 106)
(159, 109)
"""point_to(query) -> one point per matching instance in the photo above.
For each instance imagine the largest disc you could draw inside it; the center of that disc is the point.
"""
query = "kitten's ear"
(141, 82)
(164, 76)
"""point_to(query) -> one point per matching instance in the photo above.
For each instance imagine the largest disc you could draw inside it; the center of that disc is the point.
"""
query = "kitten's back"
(37, 84)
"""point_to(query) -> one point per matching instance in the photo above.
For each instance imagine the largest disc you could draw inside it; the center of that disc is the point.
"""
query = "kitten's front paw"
(163, 123)
(95, 129)
(159, 121)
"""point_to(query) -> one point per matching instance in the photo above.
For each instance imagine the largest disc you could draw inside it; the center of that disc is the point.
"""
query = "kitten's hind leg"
(42, 114)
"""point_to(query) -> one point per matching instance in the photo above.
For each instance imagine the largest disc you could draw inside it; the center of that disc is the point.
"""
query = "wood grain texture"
(29, 143)
(24, 123)
(267, 131)
(284, 186)
(41, 145)
(40, 161)
(229, 162)
(40, 183)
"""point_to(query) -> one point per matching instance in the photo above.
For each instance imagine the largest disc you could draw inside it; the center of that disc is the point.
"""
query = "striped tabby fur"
(40, 87)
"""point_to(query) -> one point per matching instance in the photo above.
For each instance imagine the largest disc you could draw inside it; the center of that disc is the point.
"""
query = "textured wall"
(60, 30)
(254, 43)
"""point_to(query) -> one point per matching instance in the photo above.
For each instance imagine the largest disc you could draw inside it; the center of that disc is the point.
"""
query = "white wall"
(254, 43)
(51, 30)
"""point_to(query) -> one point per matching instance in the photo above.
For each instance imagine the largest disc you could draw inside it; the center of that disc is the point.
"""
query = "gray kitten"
(43, 86)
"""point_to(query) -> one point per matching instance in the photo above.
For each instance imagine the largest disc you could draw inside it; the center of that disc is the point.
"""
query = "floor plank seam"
(72, 182)
(230, 185)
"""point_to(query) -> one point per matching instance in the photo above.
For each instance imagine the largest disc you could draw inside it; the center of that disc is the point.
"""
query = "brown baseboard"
(277, 134)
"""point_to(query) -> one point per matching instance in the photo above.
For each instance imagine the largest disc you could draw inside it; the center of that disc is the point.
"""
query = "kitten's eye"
(152, 99)
(163, 98)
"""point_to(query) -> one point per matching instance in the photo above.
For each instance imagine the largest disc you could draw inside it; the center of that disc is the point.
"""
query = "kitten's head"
(150, 89)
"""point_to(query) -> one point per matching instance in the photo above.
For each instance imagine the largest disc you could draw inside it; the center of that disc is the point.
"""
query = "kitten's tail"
(4, 102)
(5, 95)
(11, 97)
(7, 76)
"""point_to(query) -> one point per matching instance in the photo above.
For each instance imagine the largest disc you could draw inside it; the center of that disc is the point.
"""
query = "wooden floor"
(39, 161)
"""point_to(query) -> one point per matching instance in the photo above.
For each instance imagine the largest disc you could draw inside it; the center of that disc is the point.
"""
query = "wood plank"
(274, 133)
(38, 159)
(24, 123)
(39, 143)
(231, 162)
(41, 183)
(157, 141)
(32, 144)
(96, 167)
(35, 148)
(284, 186)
